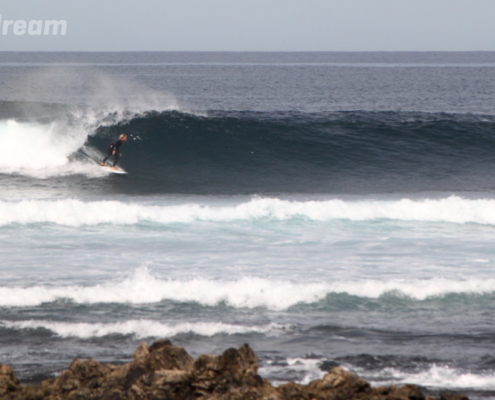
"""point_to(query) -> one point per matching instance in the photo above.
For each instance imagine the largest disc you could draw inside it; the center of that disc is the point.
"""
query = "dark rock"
(162, 355)
(293, 391)
(166, 372)
(339, 378)
(66, 382)
(452, 396)
(8, 382)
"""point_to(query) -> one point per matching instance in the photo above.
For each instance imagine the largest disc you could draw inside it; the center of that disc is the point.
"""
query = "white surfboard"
(118, 170)
(114, 171)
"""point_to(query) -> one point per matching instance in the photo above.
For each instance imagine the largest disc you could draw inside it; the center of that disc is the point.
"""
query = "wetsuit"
(114, 146)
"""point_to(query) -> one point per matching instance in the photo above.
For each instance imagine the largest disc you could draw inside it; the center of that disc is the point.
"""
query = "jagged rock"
(162, 355)
(339, 378)
(339, 384)
(232, 375)
(167, 372)
(8, 382)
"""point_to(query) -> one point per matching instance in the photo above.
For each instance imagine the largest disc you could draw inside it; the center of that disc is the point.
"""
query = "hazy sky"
(252, 25)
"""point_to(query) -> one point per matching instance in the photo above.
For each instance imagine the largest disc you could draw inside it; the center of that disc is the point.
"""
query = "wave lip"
(138, 328)
(142, 288)
(247, 292)
(71, 212)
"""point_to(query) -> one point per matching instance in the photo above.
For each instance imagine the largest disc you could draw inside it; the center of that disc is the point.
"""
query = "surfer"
(113, 150)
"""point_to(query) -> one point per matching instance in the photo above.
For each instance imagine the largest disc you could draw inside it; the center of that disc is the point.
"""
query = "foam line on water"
(140, 329)
(72, 212)
(247, 292)
(437, 376)
(142, 288)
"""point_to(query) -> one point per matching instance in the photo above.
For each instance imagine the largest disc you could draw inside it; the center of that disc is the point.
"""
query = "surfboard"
(119, 171)
(114, 171)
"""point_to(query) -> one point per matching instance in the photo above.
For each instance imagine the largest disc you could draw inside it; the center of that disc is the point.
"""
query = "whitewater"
(73, 212)
(292, 204)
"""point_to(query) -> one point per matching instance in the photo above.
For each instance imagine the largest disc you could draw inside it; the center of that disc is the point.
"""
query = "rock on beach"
(167, 372)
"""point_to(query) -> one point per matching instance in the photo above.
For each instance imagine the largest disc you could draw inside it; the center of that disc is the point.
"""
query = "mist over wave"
(44, 140)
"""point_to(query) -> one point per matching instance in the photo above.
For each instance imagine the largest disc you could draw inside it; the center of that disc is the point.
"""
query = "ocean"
(326, 208)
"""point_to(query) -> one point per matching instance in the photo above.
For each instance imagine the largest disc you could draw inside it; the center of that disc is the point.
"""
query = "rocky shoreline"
(167, 372)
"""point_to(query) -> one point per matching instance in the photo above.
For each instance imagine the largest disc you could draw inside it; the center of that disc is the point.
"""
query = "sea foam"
(437, 376)
(39, 150)
(45, 149)
(247, 292)
(142, 328)
(72, 212)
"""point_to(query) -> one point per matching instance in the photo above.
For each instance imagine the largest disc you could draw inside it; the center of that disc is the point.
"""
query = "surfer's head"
(123, 137)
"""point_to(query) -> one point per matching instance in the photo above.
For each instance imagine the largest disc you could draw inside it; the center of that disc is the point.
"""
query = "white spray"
(44, 149)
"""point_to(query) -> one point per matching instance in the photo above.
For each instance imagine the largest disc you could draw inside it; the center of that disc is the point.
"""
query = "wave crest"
(248, 292)
(140, 329)
(71, 212)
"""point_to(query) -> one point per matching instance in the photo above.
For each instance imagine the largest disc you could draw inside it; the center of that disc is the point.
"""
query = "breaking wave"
(139, 329)
(72, 212)
(247, 292)
(173, 150)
